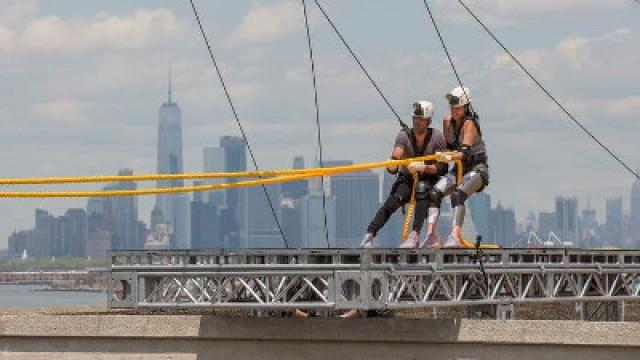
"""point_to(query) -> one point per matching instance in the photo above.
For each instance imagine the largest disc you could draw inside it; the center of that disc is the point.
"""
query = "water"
(24, 296)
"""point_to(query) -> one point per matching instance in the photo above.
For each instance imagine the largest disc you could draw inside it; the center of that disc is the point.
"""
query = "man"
(421, 140)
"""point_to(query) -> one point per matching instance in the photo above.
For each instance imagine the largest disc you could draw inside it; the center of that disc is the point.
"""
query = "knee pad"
(435, 197)
(458, 198)
(421, 190)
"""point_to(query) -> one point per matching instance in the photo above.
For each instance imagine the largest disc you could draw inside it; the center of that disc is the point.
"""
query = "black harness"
(414, 141)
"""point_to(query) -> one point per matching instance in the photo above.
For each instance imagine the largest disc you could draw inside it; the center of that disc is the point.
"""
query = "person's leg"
(471, 183)
(419, 215)
(445, 186)
(400, 195)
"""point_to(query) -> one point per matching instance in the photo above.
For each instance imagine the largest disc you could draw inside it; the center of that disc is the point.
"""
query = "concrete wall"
(207, 337)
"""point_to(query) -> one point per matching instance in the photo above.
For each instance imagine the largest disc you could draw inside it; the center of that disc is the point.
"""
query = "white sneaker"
(367, 241)
(411, 242)
(452, 242)
(432, 241)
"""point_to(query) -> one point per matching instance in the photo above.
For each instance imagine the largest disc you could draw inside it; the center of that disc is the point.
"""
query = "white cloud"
(513, 13)
(140, 30)
(63, 112)
(268, 23)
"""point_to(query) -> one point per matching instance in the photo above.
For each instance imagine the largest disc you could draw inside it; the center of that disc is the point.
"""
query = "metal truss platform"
(368, 279)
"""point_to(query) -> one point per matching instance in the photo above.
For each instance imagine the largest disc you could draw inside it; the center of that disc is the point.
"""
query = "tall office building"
(234, 215)
(613, 226)
(205, 223)
(75, 233)
(567, 220)
(635, 213)
(504, 226)
(174, 208)
(589, 228)
(296, 189)
(312, 221)
(357, 198)
(213, 161)
(480, 210)
(262, 229)
(125, 214)
(389, 236)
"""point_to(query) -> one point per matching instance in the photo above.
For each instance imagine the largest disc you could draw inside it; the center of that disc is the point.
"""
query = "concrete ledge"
(122, 336)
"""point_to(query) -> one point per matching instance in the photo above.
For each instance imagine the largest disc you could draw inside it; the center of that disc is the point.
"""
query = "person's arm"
(396, 154)
(470, 134)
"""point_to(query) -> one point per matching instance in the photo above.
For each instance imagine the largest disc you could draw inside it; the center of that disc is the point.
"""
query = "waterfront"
(24, 296)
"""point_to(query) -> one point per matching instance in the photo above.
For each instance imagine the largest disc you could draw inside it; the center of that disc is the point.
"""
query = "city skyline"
(94, 104)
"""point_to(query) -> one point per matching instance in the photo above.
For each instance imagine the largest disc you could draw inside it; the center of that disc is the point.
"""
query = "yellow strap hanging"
(410, 209)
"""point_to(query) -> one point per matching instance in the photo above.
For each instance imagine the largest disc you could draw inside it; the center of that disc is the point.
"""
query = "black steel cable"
(237, 118)
(446, 51)
(589, 133)
(317, 106)
(355, 57)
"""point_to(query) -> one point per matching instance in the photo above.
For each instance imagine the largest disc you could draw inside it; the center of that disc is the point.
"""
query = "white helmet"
(422, 109)
(459, 97)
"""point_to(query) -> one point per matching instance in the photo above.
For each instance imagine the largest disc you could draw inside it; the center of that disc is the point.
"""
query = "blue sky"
(82, 82)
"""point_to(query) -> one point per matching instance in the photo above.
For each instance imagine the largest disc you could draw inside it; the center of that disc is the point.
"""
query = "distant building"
(480, 209)
(635, 213)
(174, 208)
(262, 229)
(357, 199)
(312, 221)
(613, 233)
(504, 225)
(389, 236)
(234, 228)
(567, 220)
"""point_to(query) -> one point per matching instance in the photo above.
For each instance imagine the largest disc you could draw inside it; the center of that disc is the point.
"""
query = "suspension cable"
(317, 106)
(237, 118)
(553, 98)
(446, 51)
(364, 70)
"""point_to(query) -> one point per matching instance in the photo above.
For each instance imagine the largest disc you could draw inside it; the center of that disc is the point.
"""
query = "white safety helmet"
(422, 109)
(459, 97)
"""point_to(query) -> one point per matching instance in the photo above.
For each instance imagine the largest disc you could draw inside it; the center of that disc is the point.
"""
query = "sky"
(81, 83)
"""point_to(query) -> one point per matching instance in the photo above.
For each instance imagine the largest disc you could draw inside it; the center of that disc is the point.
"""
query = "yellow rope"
(410, 210)
(297, 175)
(242, 174)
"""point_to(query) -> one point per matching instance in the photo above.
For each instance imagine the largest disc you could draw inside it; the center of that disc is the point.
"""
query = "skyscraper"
(234, 222)
(312, 221)
(635, 213)
(389, 236)
(75, 233)
(213, 161)
(296, 189)
(205, 223)
(174, 208)
(262, 229)
(480, 209)
(613, 226)
(567, 220)
(357, 198)
(504, 225)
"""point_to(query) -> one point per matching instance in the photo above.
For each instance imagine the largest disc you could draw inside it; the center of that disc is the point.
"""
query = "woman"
(463, 135)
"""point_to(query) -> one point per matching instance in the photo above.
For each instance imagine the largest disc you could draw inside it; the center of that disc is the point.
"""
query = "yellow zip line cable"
(242, 174)
(307, 173)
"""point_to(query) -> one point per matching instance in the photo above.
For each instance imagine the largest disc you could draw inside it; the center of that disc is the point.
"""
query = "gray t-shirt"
(436, 143)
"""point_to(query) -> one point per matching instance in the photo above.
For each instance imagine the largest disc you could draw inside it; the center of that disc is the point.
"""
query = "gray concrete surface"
(207, 337)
